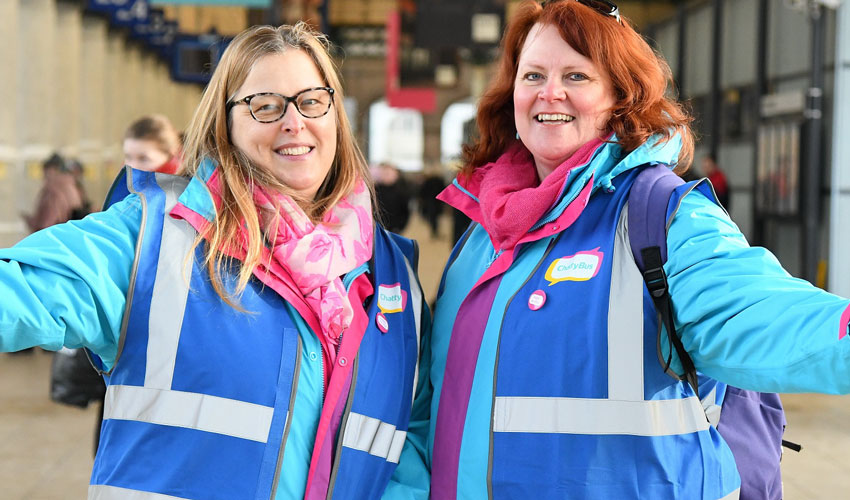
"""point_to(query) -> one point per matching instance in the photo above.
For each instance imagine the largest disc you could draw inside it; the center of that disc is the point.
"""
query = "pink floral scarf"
(317, 255)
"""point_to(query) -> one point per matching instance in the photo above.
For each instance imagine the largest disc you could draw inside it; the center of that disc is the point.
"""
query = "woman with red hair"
(550, 369)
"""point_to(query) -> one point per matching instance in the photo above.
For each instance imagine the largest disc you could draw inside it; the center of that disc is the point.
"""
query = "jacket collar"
(604, 165)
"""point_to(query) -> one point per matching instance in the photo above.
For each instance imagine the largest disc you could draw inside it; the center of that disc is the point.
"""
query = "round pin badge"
(382, 322)
(537, 299)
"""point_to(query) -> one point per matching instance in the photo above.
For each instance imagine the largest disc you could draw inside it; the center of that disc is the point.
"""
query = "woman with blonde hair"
(258, 330)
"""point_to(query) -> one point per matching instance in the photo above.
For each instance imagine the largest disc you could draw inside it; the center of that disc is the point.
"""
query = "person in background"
(258, 330)
(57, 199)
(151, 143)
(549, 366)
(393, 195)
(431, 208)
(718, 180)
(75, 167)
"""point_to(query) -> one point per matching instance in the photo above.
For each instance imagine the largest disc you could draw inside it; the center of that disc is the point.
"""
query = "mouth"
(554, 118)
(294, 150)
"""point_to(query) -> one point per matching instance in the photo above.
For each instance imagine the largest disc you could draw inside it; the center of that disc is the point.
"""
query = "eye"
(532, 76)
(576, 77)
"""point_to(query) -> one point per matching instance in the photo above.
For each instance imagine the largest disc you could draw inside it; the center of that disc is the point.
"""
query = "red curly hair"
(639, 77)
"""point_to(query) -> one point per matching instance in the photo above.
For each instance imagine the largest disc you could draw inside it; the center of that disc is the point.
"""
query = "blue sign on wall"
(124, 13)
(262, 4)
(195, 57)
(191, 57)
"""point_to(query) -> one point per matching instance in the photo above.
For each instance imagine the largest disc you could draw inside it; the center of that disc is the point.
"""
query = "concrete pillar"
(149, 89)
(116, 96)
(839, 209)
(190, 96)
(67, 57)
(165, 89)
(131, 80)
(94, 108)
(34, 106)
(11, 226)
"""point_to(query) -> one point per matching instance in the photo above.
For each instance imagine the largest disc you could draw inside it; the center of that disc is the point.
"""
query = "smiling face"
(561, 99)
(298, 151)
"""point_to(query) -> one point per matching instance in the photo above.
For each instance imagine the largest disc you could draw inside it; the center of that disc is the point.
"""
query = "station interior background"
(75, 73)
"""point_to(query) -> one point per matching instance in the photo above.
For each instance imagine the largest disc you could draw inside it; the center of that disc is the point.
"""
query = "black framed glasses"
(602, 6)
(268, 107)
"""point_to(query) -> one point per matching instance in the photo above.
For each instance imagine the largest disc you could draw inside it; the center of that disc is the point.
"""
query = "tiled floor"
(45, 448)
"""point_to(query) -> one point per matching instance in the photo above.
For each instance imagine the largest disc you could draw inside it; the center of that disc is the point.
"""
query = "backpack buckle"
(656, 281)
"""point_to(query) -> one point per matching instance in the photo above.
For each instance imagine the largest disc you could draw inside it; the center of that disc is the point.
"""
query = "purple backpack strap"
(751, 423)
(648, 200)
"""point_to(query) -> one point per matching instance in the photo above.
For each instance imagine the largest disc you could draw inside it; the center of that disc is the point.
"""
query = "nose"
(553, 90)
(292, 121)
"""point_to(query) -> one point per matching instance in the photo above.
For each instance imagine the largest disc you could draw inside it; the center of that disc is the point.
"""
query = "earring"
(517, 135)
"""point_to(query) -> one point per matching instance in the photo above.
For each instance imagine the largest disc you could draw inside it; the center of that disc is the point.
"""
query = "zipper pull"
(493, 258)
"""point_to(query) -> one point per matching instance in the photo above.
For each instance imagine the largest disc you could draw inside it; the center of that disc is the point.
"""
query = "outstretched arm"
(744, 319)
(67, 285)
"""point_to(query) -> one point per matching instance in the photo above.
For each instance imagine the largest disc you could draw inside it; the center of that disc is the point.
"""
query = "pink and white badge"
(382, 322)
(536, 300)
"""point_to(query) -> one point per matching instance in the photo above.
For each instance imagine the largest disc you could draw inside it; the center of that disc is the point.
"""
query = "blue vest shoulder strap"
(119, 189)
(407, 246)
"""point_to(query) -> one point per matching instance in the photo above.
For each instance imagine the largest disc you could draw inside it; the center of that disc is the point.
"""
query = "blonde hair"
(207, 137)
(157, 129)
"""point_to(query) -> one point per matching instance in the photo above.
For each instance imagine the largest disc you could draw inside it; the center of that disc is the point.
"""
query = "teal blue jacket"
(742, 318)
(67, 286)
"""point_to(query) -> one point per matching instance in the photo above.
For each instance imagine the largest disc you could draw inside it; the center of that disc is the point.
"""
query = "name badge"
(579, 267)
(391, 298)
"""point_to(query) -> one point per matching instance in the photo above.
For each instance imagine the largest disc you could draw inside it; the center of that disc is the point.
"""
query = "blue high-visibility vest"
(201, 397)
(568, 398)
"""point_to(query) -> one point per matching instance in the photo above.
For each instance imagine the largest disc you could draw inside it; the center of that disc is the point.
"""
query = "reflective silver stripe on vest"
(104, 492)
(625, 411)
(374, 437)
(155, 402)
(191, 410)
(170, 291)
(416, 303)
(661, 417)
(711, 408)
(735, 495)
(625, 312)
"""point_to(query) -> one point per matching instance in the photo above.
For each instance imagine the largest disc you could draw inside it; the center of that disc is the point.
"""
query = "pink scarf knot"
(512, 197)
(318, 255)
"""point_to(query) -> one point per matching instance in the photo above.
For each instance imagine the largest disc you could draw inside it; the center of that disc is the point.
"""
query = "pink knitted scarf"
(512, 197)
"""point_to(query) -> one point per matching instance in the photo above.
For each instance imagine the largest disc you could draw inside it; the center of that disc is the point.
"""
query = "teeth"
(300, 150)
(554, 117)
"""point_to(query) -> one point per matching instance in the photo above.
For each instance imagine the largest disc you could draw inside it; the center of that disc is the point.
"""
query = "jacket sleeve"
(67, 284)
(412, 478)
(744, 319)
